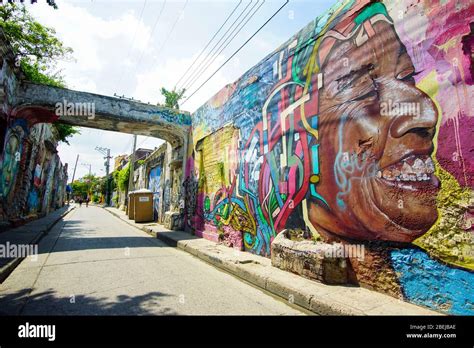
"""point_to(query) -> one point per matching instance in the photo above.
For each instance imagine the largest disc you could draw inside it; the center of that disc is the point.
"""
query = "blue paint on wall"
(430, 283)
(155, 187)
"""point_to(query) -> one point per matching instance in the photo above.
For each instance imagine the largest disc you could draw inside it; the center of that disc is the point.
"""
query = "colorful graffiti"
(10, 161)
(32, 178)
(154, 185)
(356, 130)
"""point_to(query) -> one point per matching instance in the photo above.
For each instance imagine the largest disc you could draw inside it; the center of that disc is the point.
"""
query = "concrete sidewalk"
(27, 234)
(314, 296)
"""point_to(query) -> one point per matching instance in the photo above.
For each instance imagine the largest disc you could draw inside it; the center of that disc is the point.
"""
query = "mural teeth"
(387, 174)
(406, 168)
(429, 165)
(426, 177)
(379, 174)
(418, 166)
(405, 177)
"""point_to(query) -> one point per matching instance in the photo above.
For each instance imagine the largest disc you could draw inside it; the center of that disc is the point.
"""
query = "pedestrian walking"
(87, 201)
(80, 201)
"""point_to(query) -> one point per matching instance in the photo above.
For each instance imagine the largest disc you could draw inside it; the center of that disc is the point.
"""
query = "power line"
(224, 37)
(143, 141)
(242, 46)
(207, 45)
(150, 36)
(172, 28)
(133, 42)
(129, 143)
(223, 48)
(211, 53)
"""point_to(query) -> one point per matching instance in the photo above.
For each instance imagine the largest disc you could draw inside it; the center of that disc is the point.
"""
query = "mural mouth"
(415, 172)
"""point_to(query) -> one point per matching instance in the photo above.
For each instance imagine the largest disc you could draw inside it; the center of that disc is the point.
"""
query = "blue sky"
(117, 51)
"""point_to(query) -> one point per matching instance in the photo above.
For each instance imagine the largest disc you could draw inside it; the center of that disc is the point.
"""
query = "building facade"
(356, 131)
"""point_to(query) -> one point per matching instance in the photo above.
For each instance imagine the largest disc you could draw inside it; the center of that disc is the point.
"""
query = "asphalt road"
(92, 263)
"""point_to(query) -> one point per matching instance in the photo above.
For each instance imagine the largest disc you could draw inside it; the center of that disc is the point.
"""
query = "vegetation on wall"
(172, 97)
(122, 177)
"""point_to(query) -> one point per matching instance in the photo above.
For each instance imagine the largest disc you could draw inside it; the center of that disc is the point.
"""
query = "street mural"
(32, 178)
(356, 130)
(154, 185)
(10, 161)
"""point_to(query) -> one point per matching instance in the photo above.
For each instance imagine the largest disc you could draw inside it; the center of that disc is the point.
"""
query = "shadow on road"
(79, 235)
(49, 303)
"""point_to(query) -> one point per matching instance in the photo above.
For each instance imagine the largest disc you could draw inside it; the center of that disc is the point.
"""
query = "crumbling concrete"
(310, 259)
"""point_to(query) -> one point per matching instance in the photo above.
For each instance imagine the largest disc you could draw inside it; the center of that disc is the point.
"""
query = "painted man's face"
(376, 130)
(9, 162)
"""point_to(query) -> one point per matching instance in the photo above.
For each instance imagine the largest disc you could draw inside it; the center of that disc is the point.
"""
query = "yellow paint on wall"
(447, 240)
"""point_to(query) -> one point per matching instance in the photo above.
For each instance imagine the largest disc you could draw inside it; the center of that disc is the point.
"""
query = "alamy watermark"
(352, 251)
(66, 108)
(12, 251)
(394, 108)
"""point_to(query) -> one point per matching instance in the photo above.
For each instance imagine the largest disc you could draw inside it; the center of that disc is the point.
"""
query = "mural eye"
(407, 75)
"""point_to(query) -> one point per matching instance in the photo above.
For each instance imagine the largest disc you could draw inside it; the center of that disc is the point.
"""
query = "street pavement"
(92, 263)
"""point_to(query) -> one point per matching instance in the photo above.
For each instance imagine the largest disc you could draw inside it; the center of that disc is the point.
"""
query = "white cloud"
(108, 37)
(96, 41)
(168, 73)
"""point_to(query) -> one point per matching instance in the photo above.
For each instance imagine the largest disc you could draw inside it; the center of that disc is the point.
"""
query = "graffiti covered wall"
(154, 185)
(33, 179)
(356, 130)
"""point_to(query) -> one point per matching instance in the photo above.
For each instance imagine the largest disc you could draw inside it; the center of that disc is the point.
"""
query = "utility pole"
(90, 174)
(132, 159)
(88, 165)
(106, 152)
(75, 166)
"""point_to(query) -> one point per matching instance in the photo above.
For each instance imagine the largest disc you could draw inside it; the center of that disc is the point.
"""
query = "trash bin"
(131, 206)
(143, 205)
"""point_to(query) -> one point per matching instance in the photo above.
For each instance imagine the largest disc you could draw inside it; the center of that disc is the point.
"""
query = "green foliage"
(32, 42)
(173, 97)
(87, 185)
(95, 198)
(37, 49)
(122, 178)
(38, 74)
(79, 188)
(65, 131)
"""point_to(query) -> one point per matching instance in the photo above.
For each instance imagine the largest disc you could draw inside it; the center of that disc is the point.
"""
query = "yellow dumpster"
(143, 205)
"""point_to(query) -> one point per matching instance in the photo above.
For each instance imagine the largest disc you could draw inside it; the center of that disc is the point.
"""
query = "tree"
(173, 97)
(80, 188)
(36, 48)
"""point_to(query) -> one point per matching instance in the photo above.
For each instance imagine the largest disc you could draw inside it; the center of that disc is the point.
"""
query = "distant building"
(141, 154)
(120, 161)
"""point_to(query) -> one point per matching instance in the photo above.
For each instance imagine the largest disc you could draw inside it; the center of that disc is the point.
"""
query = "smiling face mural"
(356, 130)
(376, 133)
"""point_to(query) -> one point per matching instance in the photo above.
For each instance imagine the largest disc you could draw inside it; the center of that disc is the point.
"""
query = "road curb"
(313, 296)
(8, 268)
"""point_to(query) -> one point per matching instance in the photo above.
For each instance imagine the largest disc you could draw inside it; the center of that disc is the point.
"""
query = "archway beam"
(101, 112)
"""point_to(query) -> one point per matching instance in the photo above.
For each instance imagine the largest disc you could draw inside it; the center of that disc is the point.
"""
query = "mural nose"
(416, 116)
